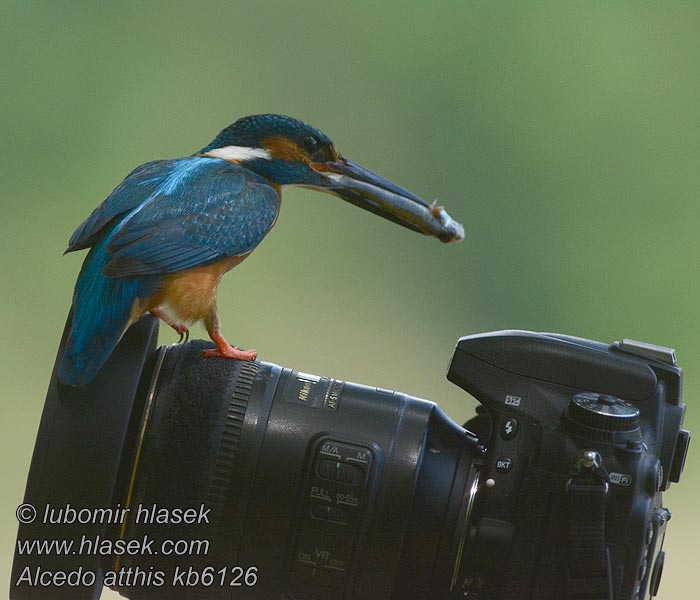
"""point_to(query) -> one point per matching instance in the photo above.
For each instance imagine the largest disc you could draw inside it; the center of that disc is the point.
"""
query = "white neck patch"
(238, 153)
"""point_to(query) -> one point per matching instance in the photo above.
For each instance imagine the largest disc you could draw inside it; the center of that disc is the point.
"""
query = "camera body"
(322, 489)
(581, 440)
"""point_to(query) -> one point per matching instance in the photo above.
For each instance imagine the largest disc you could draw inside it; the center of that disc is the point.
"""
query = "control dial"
(601, 411)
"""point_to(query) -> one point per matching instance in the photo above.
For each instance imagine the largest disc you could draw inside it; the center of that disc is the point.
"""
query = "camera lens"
(295, 484)
(174, 476)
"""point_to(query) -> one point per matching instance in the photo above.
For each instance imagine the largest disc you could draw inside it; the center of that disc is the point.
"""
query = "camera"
(182, 477)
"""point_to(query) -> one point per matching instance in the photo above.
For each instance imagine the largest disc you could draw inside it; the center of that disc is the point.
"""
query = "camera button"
(338, 471)
(504, 464)
(509, 429)
(329, 513)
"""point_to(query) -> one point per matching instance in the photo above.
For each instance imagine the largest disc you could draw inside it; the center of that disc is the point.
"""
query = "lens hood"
(76, 460)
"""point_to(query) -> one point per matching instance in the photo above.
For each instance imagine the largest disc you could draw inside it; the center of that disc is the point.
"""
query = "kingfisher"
(164, 237)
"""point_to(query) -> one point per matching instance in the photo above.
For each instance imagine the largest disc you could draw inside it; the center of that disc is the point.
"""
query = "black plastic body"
(518, 533)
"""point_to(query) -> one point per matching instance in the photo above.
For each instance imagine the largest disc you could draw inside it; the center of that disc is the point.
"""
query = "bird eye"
(310, 144)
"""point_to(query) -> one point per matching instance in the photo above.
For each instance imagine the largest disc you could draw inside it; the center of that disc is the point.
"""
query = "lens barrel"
(324, 488)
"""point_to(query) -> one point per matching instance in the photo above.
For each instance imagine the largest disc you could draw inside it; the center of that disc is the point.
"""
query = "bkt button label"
(504, 464)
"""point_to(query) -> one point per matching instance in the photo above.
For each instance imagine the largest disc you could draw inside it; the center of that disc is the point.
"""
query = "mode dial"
(601, 411)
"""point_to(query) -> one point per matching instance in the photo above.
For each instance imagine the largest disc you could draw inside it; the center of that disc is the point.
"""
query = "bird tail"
(102, 310)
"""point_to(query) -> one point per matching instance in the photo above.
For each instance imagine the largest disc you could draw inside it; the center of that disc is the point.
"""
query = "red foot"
(225, 350)
(231, 352)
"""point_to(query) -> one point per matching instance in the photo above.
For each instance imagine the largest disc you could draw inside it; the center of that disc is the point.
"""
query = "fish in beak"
(370, 191)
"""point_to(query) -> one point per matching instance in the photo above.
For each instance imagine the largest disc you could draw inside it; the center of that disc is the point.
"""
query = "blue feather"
(222, 211)
(101, 311)
(127, 196)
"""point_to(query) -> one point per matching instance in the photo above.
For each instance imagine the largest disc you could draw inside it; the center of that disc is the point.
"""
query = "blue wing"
(223, 211)
(139, 185)
(178, 214)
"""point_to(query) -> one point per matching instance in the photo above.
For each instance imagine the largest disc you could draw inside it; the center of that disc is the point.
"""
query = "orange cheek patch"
(281, 148)
(320, 167)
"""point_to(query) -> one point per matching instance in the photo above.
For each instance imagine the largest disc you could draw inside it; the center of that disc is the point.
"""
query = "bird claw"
(230, 352)
(184, 334)
(179, 328)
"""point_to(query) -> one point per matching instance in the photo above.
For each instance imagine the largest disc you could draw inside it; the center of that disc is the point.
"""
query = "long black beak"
(372, 192)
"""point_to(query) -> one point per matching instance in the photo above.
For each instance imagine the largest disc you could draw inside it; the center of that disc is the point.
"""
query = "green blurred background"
(564, 136)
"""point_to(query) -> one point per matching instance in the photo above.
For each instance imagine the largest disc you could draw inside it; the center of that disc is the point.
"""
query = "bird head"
(287, 151)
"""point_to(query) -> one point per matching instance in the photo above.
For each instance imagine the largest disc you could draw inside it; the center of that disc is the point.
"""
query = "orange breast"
(190, 295)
